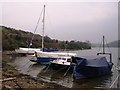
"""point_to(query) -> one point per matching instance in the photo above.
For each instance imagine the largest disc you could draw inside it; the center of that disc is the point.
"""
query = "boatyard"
(31, 75)
(58, 45)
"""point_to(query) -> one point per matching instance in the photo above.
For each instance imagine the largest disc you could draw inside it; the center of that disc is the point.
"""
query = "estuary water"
(23, 65)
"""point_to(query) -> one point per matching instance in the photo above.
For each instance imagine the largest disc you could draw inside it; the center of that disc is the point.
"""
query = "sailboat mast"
(43, 28)
(103, 45)
(104, 50)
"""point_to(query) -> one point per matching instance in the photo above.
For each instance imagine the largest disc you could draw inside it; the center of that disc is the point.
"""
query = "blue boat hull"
(84, 72)
(92, 68)
(45, 60)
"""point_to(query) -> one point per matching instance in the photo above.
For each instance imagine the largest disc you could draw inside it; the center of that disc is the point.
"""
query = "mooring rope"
(59, 70)
(47, 68)
(108, 46)
(35, 29)
(115, 78)
(114, 81)
(100, 46)
(67, 71)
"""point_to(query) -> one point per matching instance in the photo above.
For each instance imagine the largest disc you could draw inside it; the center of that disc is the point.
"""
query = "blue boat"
(47, 57)
(49, 50)
(45, 60)
(92, 66)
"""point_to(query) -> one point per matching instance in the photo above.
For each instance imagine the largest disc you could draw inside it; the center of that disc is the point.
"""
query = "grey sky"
(65, 20)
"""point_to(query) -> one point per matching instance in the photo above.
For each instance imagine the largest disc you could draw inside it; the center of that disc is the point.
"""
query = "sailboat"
(92, 66)
(26, 51)
(44, 56)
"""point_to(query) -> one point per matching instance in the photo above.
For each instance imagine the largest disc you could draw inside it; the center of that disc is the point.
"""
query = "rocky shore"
(20, 80)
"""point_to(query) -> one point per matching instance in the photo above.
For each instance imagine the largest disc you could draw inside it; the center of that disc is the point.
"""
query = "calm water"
(36, 70)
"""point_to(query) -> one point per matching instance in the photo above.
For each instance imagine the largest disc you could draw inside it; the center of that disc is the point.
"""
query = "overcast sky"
(65, 20)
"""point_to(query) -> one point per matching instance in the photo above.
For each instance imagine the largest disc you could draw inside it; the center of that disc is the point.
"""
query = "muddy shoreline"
(21, 80)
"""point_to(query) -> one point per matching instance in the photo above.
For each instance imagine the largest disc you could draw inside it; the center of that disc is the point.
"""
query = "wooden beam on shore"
(8, 79)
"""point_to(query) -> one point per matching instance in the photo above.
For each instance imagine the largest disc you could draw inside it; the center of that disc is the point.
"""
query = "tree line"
(13, 39)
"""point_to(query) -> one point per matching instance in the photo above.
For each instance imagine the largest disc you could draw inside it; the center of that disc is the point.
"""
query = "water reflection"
(98, 82)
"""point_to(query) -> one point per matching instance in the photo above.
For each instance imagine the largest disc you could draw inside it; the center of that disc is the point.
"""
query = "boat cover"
(95, 61)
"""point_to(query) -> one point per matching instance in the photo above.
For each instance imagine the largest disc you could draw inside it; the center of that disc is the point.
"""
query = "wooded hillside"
(13, 39)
